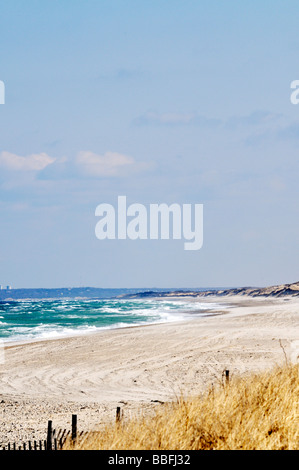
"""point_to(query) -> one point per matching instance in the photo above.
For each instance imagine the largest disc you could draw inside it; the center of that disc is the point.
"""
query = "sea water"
(29, 320)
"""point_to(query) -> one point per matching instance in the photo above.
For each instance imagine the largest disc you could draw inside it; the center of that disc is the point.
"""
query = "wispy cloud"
(109, 164)
(31, 163)
(289, 132)
(85, 165)
(174, 119)
(282, 131)
(88, 165)
(256, 118)
(123, 75)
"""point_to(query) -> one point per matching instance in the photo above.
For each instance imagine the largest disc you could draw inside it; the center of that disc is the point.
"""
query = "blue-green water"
(32, 320)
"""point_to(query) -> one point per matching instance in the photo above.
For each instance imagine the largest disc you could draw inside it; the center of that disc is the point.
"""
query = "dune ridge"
(289, 290)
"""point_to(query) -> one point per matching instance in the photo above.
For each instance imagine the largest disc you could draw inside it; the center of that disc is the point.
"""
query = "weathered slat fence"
(51, 443)
(56, 439)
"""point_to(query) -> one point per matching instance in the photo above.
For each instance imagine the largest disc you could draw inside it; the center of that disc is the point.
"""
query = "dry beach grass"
(259, 412)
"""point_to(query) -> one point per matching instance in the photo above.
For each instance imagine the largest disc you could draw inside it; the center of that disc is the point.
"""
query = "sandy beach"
(139, 368)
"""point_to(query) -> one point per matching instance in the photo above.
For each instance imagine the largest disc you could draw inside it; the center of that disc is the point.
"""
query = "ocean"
(33, 319)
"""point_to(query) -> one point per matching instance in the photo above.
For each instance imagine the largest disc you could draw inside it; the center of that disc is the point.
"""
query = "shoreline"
(197, 314)
(138, 367)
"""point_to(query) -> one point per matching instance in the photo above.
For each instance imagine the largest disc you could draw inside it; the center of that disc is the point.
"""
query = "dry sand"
(138, 368)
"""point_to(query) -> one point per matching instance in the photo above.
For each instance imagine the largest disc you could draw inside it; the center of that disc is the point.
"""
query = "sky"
(162, 102)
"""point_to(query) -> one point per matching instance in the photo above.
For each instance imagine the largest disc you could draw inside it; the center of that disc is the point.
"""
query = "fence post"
(227, 377)
(118, 414)
(49, 436)
(74, 428)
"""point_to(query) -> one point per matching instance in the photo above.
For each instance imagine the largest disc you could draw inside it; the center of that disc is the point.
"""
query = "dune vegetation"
(259, 412)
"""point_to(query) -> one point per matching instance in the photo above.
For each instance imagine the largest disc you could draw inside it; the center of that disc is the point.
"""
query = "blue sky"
(193, 100)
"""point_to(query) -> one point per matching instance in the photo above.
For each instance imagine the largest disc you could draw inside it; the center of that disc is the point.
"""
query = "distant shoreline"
(94, 293)
(83, 293)
(282, 290)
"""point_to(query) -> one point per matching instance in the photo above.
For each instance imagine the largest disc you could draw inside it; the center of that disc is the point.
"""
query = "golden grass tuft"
(259, 412)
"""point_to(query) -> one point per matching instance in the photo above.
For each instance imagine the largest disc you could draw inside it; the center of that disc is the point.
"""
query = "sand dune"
(283, 290)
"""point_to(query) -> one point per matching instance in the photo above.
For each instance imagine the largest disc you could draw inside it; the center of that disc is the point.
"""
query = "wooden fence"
(56, 439)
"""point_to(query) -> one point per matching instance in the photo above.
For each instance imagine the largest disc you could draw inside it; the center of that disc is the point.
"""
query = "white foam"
(139, 311)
